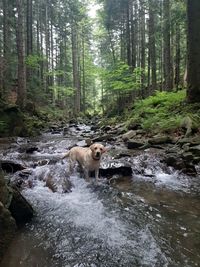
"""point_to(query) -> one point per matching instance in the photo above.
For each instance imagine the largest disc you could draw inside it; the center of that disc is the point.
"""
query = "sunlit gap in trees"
(93, 8)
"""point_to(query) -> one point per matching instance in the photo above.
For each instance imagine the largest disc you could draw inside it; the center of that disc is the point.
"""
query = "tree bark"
(6, 63)
(168, 85)
(142, 43)
(21, 96)
(76, 81)
(193, 54)
(152, 43)
(177, 57)
(29, 39)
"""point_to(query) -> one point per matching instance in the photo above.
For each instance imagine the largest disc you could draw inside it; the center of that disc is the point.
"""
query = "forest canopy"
(97, 56)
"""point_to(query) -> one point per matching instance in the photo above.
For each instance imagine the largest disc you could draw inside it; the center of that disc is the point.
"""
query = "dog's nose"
(98, 154)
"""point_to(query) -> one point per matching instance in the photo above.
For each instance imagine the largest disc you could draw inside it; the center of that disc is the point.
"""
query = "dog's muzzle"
(97, 156)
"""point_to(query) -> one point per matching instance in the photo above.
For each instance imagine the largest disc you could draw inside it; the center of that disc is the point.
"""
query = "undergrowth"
(164, 112)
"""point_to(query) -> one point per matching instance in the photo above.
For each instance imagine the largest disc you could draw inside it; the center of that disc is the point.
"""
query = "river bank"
(148, 217)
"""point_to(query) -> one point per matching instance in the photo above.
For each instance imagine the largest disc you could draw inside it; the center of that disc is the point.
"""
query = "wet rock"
(27, 148)
(122, 155)
(179, 163)
(84, 143)
(20, 179)
(134, 126)
(5, 192)
(7, 229)
(63, 185)
(192, 141)
(118, 131)
(11, 166)
(188, 156)
(174, 161)
(94, 127)
(133, 144)
(195, 150)
(158, 140)
(128, 135)
(104, 138)
(14, 209)
(106, 128)
(19, 207)
(111, 168)
(43, 162)
(65, 130)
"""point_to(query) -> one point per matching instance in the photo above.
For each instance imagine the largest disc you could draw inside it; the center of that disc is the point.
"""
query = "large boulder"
(14, 210)
(180, 162)
(110, 168)
(7, 229)
(19, 207)
(10, 166)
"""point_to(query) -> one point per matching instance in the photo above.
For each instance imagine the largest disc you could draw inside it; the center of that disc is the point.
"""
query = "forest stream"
(138, 220)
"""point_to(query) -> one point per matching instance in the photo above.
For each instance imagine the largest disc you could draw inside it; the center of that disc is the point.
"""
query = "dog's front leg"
(86, 174)
(97, 175)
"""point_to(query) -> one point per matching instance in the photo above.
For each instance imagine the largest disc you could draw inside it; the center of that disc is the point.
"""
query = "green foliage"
(163, 112)
(121, 78)
(62, 90)
(3, 127)
(33, 61)
(55, 73)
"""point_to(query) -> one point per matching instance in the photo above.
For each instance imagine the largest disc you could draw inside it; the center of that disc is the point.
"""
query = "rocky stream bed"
(144, 212)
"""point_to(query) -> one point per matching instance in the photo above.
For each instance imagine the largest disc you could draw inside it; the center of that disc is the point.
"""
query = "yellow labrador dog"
(88, 157)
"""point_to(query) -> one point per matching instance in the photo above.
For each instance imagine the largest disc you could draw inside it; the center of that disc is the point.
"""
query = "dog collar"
(95, 159)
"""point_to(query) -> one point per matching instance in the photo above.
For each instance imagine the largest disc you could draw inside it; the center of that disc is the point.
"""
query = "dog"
(88, 158)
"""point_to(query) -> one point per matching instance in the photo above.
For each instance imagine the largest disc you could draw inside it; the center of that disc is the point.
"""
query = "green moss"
(164, 112)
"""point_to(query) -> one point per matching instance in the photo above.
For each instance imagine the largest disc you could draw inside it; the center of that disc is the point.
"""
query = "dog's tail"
(66, 155)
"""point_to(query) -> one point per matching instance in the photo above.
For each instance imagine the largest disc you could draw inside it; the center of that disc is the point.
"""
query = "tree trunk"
(168, 86)
(47, 45)
(152, 43)
(6, 63)
(193, 40)
(83, 73)
(128, 43)
(142, 43)
(133, 37)
(76, 82)
(29, 39)
(21, 96)
(178, 57)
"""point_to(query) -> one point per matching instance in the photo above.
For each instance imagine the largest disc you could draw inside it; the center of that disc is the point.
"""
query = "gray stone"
(133, 144)
(195, 150)
(110, 168)
(129, 135)
(19, 207)
(157, 140)
(11, 166)
(7, 229)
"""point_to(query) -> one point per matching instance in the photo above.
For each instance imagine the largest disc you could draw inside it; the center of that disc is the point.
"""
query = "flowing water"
(144, 220)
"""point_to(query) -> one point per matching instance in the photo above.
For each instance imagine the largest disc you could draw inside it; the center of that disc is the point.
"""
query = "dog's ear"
(105, 149)
(92, 147)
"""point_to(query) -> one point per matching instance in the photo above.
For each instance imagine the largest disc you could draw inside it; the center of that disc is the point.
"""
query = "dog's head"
(97, 151)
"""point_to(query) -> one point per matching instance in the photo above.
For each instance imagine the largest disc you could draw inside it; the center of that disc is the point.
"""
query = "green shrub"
(164, 112)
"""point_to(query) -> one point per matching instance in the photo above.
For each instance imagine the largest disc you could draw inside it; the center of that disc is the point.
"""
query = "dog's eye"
(101, 148)
(95, 148)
